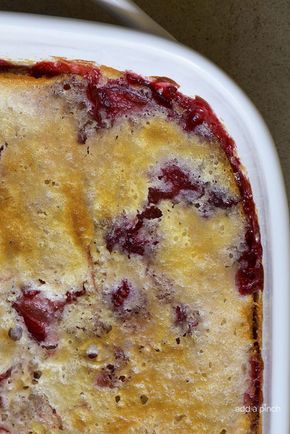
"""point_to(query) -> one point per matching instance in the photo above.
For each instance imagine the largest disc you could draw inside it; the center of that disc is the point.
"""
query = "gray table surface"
(249, 39)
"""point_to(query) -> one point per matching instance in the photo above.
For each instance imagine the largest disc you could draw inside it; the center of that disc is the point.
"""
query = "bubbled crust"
(172, 334)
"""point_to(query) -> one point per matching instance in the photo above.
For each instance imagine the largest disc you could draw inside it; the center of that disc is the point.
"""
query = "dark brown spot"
(37, 375)
(144, 399)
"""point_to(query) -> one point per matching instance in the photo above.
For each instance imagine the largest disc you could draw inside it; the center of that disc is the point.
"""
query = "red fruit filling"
(127, 301)
(53, 69)
(174, 180)
(40, 313)
(114, 100)
(219, 199)
(134, 236)
(250, 274)
(121, 294)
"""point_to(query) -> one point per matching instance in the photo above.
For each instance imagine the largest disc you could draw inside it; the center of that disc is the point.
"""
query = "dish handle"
(128, 13)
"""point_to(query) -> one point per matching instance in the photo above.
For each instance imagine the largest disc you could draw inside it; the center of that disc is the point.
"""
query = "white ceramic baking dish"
(35, 37)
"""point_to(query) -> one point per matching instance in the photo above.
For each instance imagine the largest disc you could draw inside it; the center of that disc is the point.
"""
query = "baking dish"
(124, 49)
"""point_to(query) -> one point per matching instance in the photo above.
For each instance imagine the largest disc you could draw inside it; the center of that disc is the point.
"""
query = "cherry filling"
(174, 180)
(53, 69)
(121, 293)
(127, 301)
(134, 236)
(250, 274)
(186, 319)
(176, 184)
(219, 199)
(164, 93)
(198, 117)
(114, 100)
(40, 313)
(131, 94)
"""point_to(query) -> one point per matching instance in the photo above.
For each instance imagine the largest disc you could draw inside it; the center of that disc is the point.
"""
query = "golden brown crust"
(73, 194)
